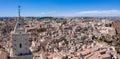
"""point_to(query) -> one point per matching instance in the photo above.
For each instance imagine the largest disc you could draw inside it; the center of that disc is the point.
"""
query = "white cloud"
(42, 13)
(47, 13)
(82, 13)
(100, 13)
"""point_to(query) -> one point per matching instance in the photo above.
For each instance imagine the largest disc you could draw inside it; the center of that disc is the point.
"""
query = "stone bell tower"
(20, 41)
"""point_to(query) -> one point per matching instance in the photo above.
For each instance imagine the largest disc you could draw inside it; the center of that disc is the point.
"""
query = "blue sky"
(60, 7)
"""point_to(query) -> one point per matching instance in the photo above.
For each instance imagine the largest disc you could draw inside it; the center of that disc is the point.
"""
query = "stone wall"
(22, 57)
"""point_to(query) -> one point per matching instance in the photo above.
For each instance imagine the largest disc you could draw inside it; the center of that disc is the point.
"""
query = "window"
(19, 24)
(25, 43)
(14, 44)
(20, 45)
(14, 40)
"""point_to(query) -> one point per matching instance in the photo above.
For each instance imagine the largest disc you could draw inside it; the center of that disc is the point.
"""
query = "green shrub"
(41, 30)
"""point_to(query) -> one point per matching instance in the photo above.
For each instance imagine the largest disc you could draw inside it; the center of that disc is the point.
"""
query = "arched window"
(19, 24)
(20, 45)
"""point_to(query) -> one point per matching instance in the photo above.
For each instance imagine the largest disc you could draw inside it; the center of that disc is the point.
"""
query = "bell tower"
(20, 41)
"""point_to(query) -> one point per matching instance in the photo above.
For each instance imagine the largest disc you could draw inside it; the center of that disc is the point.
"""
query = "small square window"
(14, 40)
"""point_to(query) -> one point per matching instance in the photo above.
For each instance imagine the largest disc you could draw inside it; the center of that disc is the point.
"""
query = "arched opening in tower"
(20, 45)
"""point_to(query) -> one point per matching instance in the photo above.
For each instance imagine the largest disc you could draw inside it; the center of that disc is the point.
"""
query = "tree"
(103, 39)
(41, 30)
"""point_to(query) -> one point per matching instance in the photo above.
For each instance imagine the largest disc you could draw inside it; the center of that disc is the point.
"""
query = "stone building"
(20, 41)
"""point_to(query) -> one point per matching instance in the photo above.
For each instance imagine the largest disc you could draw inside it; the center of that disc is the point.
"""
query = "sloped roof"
(3, 55)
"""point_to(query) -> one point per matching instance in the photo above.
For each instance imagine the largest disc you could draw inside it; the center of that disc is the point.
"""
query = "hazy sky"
(60, 7)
